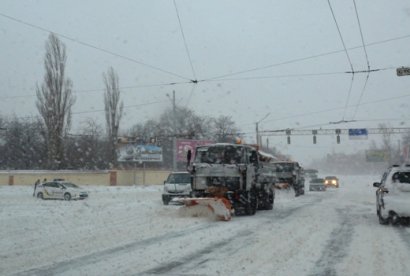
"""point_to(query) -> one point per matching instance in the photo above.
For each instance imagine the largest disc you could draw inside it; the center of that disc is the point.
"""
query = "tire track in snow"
(95, 257)
(190, 262)
(336, 248)
(404, 235)
(63, 266)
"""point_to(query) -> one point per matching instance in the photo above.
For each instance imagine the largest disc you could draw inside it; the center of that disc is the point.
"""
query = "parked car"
(177, 185)
(393, 196)
(317, 184)
(332, 181)
(60, 190)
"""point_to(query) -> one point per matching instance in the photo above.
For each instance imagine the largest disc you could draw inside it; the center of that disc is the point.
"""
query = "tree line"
(45, 142)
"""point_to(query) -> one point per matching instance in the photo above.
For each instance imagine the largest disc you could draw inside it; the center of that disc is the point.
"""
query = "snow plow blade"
(219, 206)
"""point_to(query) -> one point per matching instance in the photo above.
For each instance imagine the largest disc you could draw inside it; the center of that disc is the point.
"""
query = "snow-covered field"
(127, 231)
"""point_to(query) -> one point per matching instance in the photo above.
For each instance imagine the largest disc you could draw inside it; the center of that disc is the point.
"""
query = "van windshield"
(220, 155)
(176, 178)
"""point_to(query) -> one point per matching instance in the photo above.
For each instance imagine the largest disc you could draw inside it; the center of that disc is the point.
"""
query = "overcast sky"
(251, 58)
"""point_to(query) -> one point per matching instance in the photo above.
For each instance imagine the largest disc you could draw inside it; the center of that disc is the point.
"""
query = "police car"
(60, 190)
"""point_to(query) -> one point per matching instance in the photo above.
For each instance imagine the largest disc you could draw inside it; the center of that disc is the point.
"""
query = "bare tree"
(87, 150)
(225, 128)
(54, 101)
(113, 111)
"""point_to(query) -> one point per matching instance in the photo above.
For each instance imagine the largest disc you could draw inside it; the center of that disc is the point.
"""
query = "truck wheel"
(252, 204)
(270, 202)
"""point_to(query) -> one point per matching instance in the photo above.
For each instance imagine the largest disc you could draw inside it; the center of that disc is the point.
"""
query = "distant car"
(393, 196)
(60, 190)
(332, 181)
(317, 184)
(177, 185)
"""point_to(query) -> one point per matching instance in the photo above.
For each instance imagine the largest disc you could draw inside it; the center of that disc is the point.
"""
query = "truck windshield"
(284, 167)
(220, 155)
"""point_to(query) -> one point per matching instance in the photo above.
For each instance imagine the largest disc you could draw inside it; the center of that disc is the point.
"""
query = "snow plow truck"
(230, 179)
(289, 174)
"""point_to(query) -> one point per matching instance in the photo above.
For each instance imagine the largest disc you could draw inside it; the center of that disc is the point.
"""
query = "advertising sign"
(183, 145)
(133, 152)
(358, 133)
(375, 156)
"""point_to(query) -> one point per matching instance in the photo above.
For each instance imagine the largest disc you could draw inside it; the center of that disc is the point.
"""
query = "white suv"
(177, 185)
(60, 190)
(393, 196)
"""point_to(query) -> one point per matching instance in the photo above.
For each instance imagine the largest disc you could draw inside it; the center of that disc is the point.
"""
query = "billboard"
(134, 152)
(183, 145)
(376, 155)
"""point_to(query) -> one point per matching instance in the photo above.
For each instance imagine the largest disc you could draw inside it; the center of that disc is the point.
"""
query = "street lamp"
(258, 142)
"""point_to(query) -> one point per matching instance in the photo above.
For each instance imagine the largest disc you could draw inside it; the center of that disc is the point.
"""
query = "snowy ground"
(127, 231)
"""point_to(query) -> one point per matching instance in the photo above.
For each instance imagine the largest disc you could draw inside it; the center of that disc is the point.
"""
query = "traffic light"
(288, 132)
(314, 132)
(338, 136)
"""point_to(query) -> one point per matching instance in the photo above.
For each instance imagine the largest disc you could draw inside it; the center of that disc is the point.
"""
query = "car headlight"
(334, 181)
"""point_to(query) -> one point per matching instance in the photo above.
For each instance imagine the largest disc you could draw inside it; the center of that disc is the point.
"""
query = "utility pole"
(257, 133)
(258, 138)
(174, 139)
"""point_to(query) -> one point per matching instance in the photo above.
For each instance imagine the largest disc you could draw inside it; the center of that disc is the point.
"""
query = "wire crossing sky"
(244, 59)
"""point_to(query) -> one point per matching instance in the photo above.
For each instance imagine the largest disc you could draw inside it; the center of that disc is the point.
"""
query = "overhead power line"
(361, 95)
(348, 96)
(93, 46)
(126, 106)
(361, 35)
(79, 91)
(336, 108)
(307, 58)
(340, 35)
(367, 60)
(185, 43)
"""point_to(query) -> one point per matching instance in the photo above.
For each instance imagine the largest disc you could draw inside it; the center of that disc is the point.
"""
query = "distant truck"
(289, 174)
(233, 172)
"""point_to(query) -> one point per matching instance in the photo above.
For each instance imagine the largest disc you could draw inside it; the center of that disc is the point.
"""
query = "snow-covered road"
(127, 231)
